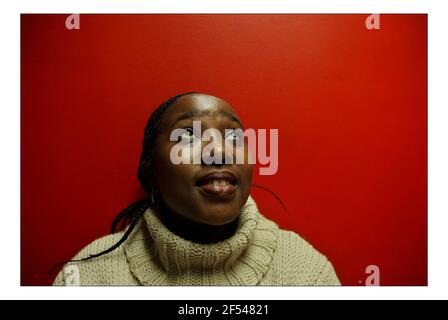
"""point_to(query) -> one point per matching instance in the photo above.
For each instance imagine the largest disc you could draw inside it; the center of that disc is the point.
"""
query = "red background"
(350, 105)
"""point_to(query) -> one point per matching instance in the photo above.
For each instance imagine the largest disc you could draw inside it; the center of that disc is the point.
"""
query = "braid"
(273, 194)
(127, 213)
(140, 211)
(134, 212)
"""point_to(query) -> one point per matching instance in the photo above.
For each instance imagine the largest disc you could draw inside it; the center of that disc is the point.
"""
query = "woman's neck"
(195, 231)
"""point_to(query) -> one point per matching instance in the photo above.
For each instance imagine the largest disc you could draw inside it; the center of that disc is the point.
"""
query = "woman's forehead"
(198, 105)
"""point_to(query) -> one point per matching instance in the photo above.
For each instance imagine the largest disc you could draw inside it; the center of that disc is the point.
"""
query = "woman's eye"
(188, 134)
(233, 136)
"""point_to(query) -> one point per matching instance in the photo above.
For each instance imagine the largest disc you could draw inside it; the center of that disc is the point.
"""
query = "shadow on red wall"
(350, 105)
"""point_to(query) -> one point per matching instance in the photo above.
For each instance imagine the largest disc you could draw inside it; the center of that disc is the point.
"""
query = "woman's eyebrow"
(196, 114)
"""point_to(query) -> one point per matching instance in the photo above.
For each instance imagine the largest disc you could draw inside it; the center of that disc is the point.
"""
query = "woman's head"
(212, 193)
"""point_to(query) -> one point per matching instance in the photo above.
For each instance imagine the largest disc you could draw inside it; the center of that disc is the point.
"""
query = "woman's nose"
(214, 153)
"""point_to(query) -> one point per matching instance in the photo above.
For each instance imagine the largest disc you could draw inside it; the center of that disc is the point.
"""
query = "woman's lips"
(218, 184)
(220, 190)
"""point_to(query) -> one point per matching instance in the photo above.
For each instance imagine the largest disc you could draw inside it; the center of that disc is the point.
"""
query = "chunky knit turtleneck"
(160, 256)
(258, 253)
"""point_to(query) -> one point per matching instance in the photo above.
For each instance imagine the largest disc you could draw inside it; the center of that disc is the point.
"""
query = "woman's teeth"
(219, 187)
(219, 182)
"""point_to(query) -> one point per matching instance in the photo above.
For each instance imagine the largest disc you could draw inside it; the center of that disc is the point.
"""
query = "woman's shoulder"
(101, 270)
(290, 241)
(298, 259)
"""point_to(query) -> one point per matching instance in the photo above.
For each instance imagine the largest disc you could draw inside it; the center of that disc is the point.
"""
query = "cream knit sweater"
(259, 253)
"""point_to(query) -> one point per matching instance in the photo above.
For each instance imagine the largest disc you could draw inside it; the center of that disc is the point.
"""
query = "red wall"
(349, 103)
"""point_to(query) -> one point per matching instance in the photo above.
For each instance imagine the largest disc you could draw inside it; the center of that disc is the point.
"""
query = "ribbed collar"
(159, 257)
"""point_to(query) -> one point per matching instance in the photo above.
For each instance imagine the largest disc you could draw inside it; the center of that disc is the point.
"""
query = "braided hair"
(132, 214)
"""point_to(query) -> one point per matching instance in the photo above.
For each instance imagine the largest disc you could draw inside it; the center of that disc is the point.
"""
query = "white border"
(10, 142)
(229, 6)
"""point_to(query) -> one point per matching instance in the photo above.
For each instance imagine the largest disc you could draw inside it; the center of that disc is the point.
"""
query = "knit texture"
(258, 253)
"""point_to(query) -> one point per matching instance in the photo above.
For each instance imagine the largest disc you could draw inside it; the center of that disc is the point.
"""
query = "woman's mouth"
(218, 184)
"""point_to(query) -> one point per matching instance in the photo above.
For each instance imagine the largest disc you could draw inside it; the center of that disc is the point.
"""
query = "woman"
(199, 226)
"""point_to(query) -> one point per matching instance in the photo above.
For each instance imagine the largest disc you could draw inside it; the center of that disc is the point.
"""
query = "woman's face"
(213, 193)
